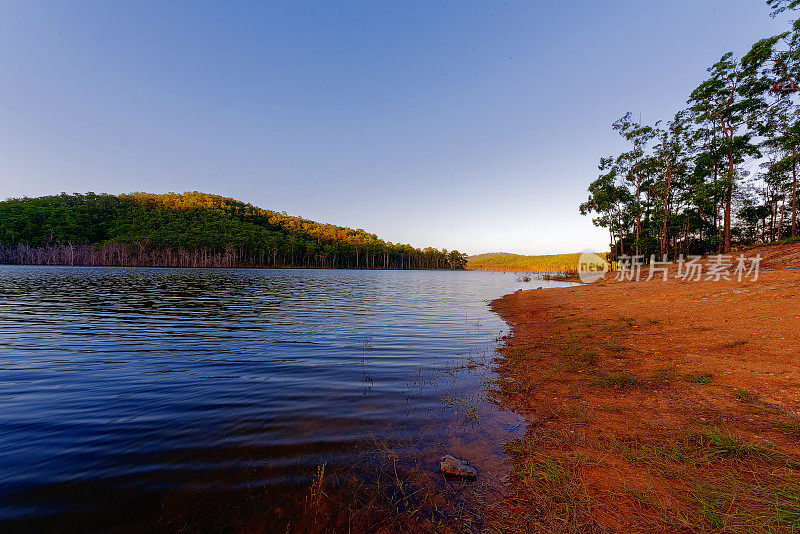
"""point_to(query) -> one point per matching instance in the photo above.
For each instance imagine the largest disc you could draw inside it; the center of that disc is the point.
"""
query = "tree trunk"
(794, 191)
(728, 195)
(665, 199)
(638, 213)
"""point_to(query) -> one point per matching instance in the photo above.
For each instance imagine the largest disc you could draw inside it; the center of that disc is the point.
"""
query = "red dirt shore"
(656, 406)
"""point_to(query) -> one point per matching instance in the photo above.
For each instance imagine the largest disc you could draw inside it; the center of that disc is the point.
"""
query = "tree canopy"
(722, 172)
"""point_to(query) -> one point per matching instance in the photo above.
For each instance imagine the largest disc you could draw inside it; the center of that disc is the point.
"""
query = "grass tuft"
(699, 377)
(743, 395)
(787, 508)
(723, 444)
(619, 379)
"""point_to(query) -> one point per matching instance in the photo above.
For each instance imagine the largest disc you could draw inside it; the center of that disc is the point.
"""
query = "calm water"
(125, 391)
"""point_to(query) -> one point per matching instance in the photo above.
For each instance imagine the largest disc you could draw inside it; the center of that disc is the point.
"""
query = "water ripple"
(118, 382)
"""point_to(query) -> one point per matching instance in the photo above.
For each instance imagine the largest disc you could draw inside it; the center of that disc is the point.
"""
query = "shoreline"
(528, 271)
(257, 267)
(655, 405)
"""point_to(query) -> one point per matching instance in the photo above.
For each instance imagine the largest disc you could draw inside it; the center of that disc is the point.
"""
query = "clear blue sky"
(467, 125)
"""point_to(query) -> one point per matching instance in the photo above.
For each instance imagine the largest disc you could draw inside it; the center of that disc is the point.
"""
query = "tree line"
(191, 229)
(722, 172)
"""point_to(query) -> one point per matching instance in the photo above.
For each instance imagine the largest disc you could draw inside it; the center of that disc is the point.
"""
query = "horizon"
(426, 125)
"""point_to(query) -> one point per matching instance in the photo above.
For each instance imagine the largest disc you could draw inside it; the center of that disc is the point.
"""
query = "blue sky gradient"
(467, 125)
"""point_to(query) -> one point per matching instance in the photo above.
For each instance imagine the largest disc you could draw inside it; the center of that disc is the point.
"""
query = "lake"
(186, 398)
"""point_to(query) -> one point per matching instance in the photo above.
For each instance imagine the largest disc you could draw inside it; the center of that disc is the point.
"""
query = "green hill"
(503, 261)
(190, 230)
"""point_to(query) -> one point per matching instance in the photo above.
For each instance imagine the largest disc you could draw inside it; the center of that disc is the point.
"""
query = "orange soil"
(777, 256)
(569, 346)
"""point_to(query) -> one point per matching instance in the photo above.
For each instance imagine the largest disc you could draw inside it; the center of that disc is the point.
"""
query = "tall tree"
(783, 134)
(630, 165)
(727, 101)
(671, 161)
(607, 199)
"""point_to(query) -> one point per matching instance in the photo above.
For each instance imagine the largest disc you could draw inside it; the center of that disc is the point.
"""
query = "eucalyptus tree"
(631, 164)
(772, 189)
(726, 102)
(671, 160)
(679, 183)
(607, 199)
(773, 65)
(704, 186)
(782, 137)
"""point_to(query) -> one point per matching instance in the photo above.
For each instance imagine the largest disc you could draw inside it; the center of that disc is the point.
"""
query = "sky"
(465, 125)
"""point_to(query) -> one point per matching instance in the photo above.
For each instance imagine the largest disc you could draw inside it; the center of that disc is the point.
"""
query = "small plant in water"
(366, 379)
(466, 406)
(316, 485)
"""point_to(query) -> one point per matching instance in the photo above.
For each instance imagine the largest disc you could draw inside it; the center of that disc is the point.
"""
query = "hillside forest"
(191, 230)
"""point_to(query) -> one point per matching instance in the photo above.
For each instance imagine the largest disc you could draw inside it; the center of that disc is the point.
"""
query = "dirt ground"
(656, 406)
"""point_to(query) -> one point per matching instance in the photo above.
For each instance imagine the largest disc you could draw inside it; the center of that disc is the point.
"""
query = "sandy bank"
(656, 406)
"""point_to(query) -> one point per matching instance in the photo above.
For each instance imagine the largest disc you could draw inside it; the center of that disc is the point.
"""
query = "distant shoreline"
(258, 267)
(498, 270)
(545, 263)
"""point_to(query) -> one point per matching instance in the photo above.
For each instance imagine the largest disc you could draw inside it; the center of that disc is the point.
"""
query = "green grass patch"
(699, 377)
(662, 377)
(723, 444)
(743, 395)
(787, 507)
(551, 482)
(618, 379)
(570, 349)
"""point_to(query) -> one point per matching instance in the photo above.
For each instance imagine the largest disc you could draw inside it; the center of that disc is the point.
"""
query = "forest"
(721, 173)
(191, 229)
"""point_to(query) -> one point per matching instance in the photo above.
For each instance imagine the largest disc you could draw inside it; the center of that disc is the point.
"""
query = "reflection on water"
(125, 391)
